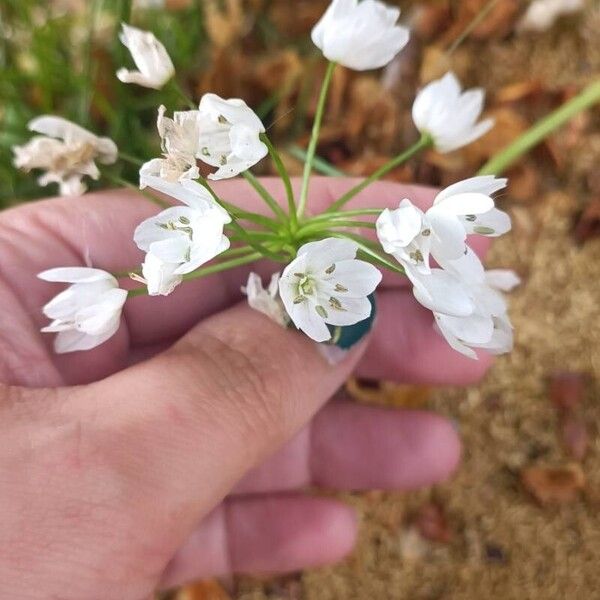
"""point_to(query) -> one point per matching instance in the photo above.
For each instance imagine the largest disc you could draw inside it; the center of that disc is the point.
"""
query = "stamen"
(321, 311)
(470, 217)
(330, 270)
(340, 288)
(336, 304)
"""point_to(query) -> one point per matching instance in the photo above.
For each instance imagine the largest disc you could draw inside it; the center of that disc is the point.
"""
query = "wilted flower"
(229, 136)
(159, 276)
(179, 142)
(463, 208)
(184, 236)
(154, 64)
(326, 284)
(360, 35)
(449, 115)
(66, 152)
(266, 301)
(88, 312)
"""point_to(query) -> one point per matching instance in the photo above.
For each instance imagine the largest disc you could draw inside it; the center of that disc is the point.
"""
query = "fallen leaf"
(432, 524)
(554, 485)
(517, 91)
(575, 436)
(203, 590)
(524, 182)
(499, 22)
(587, 225)
(566, 389)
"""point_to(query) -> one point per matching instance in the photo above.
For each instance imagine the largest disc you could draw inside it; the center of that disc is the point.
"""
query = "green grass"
(63, 63)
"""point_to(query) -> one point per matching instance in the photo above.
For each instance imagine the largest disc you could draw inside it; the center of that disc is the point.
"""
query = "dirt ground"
(498, 541)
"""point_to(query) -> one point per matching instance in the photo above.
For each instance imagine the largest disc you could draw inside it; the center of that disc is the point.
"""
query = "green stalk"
(311, 227)
(266, 222)
(314, 138)
(264, 194)
(542, 129)
(182, 95)
(359, 212)
(289, 192)
(319, 164)
(425, 141)
(138, 162)
(123, 182)
(203, 272)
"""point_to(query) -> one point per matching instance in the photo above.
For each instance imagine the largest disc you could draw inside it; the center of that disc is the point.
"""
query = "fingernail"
(345, 338)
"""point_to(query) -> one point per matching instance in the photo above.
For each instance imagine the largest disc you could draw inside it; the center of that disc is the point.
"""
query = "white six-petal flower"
(154, 64)
(449, 115)
(88, 312)
(66, 152)
(326, 284)
(463, 208)
(183, 236)
(360, 35)
(266, 301)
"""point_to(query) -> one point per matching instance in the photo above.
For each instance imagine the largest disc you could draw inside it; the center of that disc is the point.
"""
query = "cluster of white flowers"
(326, 286)
(468, 310)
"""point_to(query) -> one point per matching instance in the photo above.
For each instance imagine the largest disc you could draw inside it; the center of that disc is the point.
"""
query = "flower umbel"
(88, 312)
(326, 284)
(66, 152)
(449, 115)
(229, 136)
(154, 64)
(360, 35)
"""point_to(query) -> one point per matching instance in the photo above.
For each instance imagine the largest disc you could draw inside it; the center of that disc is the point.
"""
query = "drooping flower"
(463, 208)
(179, 142)
(266, 301)
(66, 152)
(159, 276)
(184, 236)
(449, 115)
(88, 312)
(360, 35)
(154, 64)
(486, 325)
(326, 284)
(229, 136)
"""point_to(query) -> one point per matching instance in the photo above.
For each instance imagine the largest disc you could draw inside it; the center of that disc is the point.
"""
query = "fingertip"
(339, 524)
(442, 451)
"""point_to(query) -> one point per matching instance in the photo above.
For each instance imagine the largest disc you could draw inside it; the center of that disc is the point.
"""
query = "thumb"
(185, 426)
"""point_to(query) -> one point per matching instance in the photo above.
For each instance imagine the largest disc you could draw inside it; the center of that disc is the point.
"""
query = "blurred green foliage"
(56, 59)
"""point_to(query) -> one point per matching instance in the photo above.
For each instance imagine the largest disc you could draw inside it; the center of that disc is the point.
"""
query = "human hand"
(179, 448)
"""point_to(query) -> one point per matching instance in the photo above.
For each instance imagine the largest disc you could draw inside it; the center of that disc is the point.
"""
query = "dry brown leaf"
(430, 19)
(224, 21)
(554, 485)
(299, 19)
(373, 391)
(434, 65)
(432, 524)
(566, 389)
(524, 182)
(575, 436)
(499, 22)
(517, 91)
(203, 590)
(588, 223)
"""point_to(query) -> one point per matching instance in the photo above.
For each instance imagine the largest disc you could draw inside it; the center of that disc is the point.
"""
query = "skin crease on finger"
(100, 484)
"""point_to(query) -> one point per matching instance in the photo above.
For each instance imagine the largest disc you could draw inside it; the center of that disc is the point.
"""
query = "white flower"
(158, 276)
(154, 65)
(183, 236)
(266, 301)
(66, 152)
(467, 305)
(463, 208)
(88, 312)
(449, 115)
(229, 136)
(326, 284)
(179, 142)
(360, 35)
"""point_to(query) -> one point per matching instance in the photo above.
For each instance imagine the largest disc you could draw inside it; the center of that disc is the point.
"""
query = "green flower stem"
(425, 141)
(214, 268)
(319, 164)
(314, 138)
(312, 227)
(370, 250)
(360, 212)
(289, 192)
(123, 182)
(240, 231)
(138, 162)
(182, 95)
(250, 216)
(542, 129)
(264, 194)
